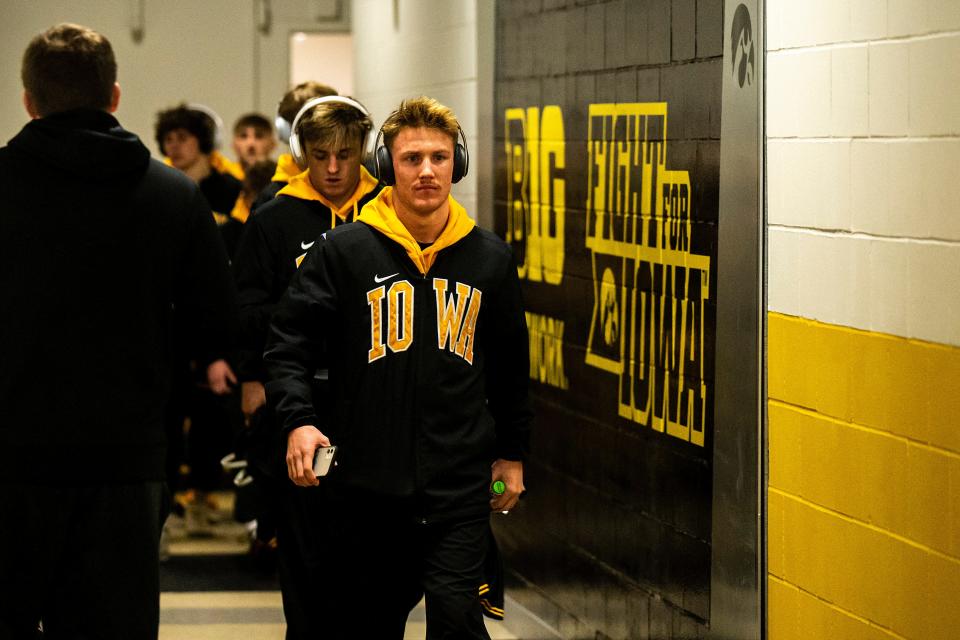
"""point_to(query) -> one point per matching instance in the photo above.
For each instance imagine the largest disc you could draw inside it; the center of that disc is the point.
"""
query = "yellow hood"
(219, 163)
(240, 209)
(222, 164)
(301, 187)
(380, 214)
(286, 168)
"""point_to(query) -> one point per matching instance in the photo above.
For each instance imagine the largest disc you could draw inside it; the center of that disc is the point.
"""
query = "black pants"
(83, 560)
(294, 515)
(214, 422)
(380, 561)
(299, 555)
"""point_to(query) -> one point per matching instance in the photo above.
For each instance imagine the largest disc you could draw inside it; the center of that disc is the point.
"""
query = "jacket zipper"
(419, 301)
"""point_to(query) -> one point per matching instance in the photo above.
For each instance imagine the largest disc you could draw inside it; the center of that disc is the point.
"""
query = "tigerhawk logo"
(741, 40)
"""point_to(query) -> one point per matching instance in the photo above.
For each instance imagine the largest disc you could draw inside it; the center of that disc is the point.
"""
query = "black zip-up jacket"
(427, 353)
(274, 242)
(98, 244)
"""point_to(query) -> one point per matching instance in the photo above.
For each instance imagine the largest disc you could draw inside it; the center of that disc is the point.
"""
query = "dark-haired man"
(186, 135)
(418, 315)
(100, 246)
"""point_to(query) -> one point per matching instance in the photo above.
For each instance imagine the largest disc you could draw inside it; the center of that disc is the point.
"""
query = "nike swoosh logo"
(306, 245)
(378, 279)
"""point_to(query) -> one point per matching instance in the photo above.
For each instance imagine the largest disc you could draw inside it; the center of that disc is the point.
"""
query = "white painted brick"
(809, 183)
(889, 89)
(783, 272)
(906, 188)
(779, 181)
(933, 297)
(888, 286)
(915, 17)
(893, 286)
(868, 20)
(848, 90)
(826, 284)
(798, 94)
(773, 13)
(781, 109)
(869, 186)
(924, 189)
(934, 89)
(906, 17)
(813, 22)
(906, 216)
(830, 185)
(863, 289)
(944, 14)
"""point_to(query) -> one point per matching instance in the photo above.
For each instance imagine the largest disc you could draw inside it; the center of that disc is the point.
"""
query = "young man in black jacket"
(100, 247)
(418, 315)
(329, 136)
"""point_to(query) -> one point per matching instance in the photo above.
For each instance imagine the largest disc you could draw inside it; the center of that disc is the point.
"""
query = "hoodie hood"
(380, 214)
(222, 164)
(84, 142)
(286, 168)
(300, 187)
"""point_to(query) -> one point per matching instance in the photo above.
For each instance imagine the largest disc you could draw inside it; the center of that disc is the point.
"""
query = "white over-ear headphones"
(283, 129)
(296, 149)
(217, 122)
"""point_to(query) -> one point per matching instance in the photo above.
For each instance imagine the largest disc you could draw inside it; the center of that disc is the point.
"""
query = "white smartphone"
(323, 460)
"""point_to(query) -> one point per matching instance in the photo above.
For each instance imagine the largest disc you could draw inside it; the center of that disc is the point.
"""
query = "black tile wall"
(613, 539)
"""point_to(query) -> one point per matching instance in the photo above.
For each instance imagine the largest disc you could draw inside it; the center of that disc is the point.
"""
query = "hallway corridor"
(211, 590)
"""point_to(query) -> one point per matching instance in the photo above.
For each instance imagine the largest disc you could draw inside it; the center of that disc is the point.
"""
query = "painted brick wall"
(613, 540)
(863, 124)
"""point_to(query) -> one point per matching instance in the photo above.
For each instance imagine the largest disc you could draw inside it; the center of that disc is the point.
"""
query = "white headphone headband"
(310, 104)
(296, 150)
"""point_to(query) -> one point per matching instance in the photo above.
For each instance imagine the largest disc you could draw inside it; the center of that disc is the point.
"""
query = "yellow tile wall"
(864, 494)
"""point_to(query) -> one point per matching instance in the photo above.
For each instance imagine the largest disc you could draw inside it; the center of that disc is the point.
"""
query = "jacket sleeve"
(508, 369)
(254, 269)
(295, 341)
(205, 297)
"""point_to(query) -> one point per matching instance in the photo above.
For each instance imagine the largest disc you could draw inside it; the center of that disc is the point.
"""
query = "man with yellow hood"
(328, 137)
(417, 314)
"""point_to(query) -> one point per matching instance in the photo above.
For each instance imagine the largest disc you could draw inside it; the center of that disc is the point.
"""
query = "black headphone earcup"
(461, 162)
(384, 165)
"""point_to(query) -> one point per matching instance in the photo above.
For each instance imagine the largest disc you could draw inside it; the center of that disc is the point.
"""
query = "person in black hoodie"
(100, 246)
(417, 314)
(329, 136)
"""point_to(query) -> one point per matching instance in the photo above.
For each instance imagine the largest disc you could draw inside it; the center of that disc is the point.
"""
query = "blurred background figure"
(201, 424)
(253, 139)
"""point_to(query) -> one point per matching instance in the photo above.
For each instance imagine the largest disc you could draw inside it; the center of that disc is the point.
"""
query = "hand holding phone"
(323, 460)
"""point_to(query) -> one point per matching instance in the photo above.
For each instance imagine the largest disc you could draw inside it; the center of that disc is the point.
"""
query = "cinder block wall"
(863, 124)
